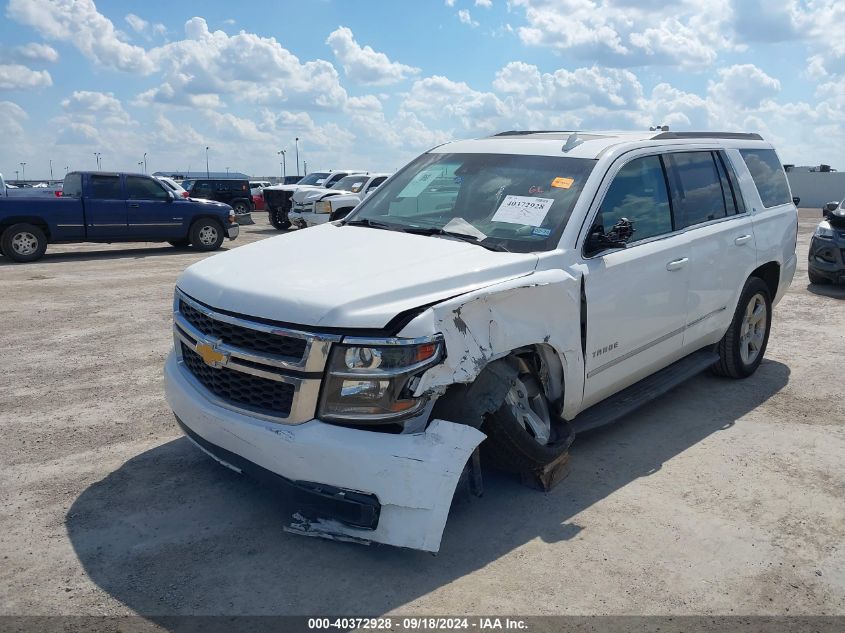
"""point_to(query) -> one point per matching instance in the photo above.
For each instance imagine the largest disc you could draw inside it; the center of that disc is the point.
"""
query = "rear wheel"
(206, 235)
(241, 208)
(522, 434)
(741, 349)
(23, 243)
(279, 219)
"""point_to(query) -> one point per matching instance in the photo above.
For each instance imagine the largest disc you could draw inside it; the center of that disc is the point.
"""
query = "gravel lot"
(722, 497)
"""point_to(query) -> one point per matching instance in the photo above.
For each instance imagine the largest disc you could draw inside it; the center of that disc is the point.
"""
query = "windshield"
(349, 182)
(517, 201)
(314, 178)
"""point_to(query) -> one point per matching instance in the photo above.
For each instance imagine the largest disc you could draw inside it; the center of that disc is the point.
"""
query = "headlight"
(839, 212)
(231, 216)
(371, 380)
(824, 232)
(324, 207)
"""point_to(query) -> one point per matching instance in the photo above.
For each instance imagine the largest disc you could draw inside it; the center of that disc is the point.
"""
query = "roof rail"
(524, 132)
(736, 135)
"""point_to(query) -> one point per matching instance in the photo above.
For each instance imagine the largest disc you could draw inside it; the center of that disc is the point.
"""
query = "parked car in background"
(559, 282)
(290, 180)
(8, 190)
(234, 192)
(278, 198)
(303, 200)
(258, 185)
(174, 186)
(111, 207)
(337, 202)
(826, 259)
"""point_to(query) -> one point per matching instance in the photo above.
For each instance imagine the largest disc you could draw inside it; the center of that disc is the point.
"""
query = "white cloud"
(96, 108)
(744, 86)
(484, 3)
(79, 23)
(12, 118)
(465, 18)
(37, 52)
(364, 65)
(246, 66)
(139, 25)
(627, 33)
(438, 96)
(450, 3)
(18, 77)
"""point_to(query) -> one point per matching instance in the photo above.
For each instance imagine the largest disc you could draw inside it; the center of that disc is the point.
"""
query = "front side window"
(638, 194)
(768, 176)
(696, 188)
(331, 180)
(138, 188)
(106, 188)
(515, 202)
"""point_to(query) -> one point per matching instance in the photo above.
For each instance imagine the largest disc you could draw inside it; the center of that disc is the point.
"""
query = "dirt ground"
(722, 497)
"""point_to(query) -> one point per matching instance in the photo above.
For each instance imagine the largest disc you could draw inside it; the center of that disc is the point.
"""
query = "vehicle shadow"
(97, 255)
(172, 533)
(827, 290)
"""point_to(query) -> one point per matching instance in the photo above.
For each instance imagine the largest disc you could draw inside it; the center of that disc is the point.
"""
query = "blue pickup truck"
(111, 207)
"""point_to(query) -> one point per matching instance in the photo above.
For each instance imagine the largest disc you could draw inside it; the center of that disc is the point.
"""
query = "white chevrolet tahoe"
(500, 294)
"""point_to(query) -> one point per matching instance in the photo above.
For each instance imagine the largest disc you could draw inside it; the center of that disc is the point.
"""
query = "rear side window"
(138, 188)
(106, 187)
(638, 193)
(72, 187)
(768, 176)
(696, 188)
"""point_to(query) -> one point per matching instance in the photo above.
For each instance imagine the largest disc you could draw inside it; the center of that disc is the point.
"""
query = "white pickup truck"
(506, 292)
(321, 206)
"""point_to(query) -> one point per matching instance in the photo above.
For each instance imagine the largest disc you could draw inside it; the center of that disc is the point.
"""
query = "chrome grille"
(246, 338)
(257, 394)
(270, 371)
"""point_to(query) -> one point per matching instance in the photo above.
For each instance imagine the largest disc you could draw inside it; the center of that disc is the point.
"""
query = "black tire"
(732, 347)
(279, 219)
(511, 447)
(207, 234)
(23, 243)
(241, 207)
(179, 243)
(817, 279)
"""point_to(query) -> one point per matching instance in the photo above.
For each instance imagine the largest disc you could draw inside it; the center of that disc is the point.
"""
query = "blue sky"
(371, 84)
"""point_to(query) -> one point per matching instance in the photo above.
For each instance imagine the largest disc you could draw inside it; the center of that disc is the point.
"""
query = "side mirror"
(796, 200)
(617, 237)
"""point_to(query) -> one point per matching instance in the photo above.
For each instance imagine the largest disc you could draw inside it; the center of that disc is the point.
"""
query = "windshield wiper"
(472, 239)
(373, 224)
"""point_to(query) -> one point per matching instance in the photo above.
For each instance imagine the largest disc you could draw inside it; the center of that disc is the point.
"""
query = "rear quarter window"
(768, 176)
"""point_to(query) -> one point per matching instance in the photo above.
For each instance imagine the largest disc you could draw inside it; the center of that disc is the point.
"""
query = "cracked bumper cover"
(411, 478)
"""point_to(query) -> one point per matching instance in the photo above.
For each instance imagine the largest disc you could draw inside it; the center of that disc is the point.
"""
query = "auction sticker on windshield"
(523, 210)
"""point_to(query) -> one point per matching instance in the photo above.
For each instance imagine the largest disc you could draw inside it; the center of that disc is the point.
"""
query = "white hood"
(346, 276)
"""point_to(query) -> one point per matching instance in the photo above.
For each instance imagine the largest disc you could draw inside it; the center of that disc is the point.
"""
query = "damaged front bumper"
(379, 487)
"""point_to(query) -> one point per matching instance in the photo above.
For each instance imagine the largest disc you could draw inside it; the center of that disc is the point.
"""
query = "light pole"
(51, 169)
(145, 162)
(305, 166)
(207, 173)
(66, 168)
(17, 175)
(140, 162)
(227, 172)
(23, 168)
(297, 155)
(97, 158)
(284, 167)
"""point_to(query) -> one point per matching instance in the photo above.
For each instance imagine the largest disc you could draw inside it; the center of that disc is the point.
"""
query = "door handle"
(134, 206)
(742, 239)
(677, 264)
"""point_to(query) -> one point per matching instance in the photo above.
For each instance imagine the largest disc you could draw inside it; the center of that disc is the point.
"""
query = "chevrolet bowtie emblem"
(211, 355)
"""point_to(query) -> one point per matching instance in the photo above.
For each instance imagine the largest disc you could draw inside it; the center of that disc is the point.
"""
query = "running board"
(632, 398)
